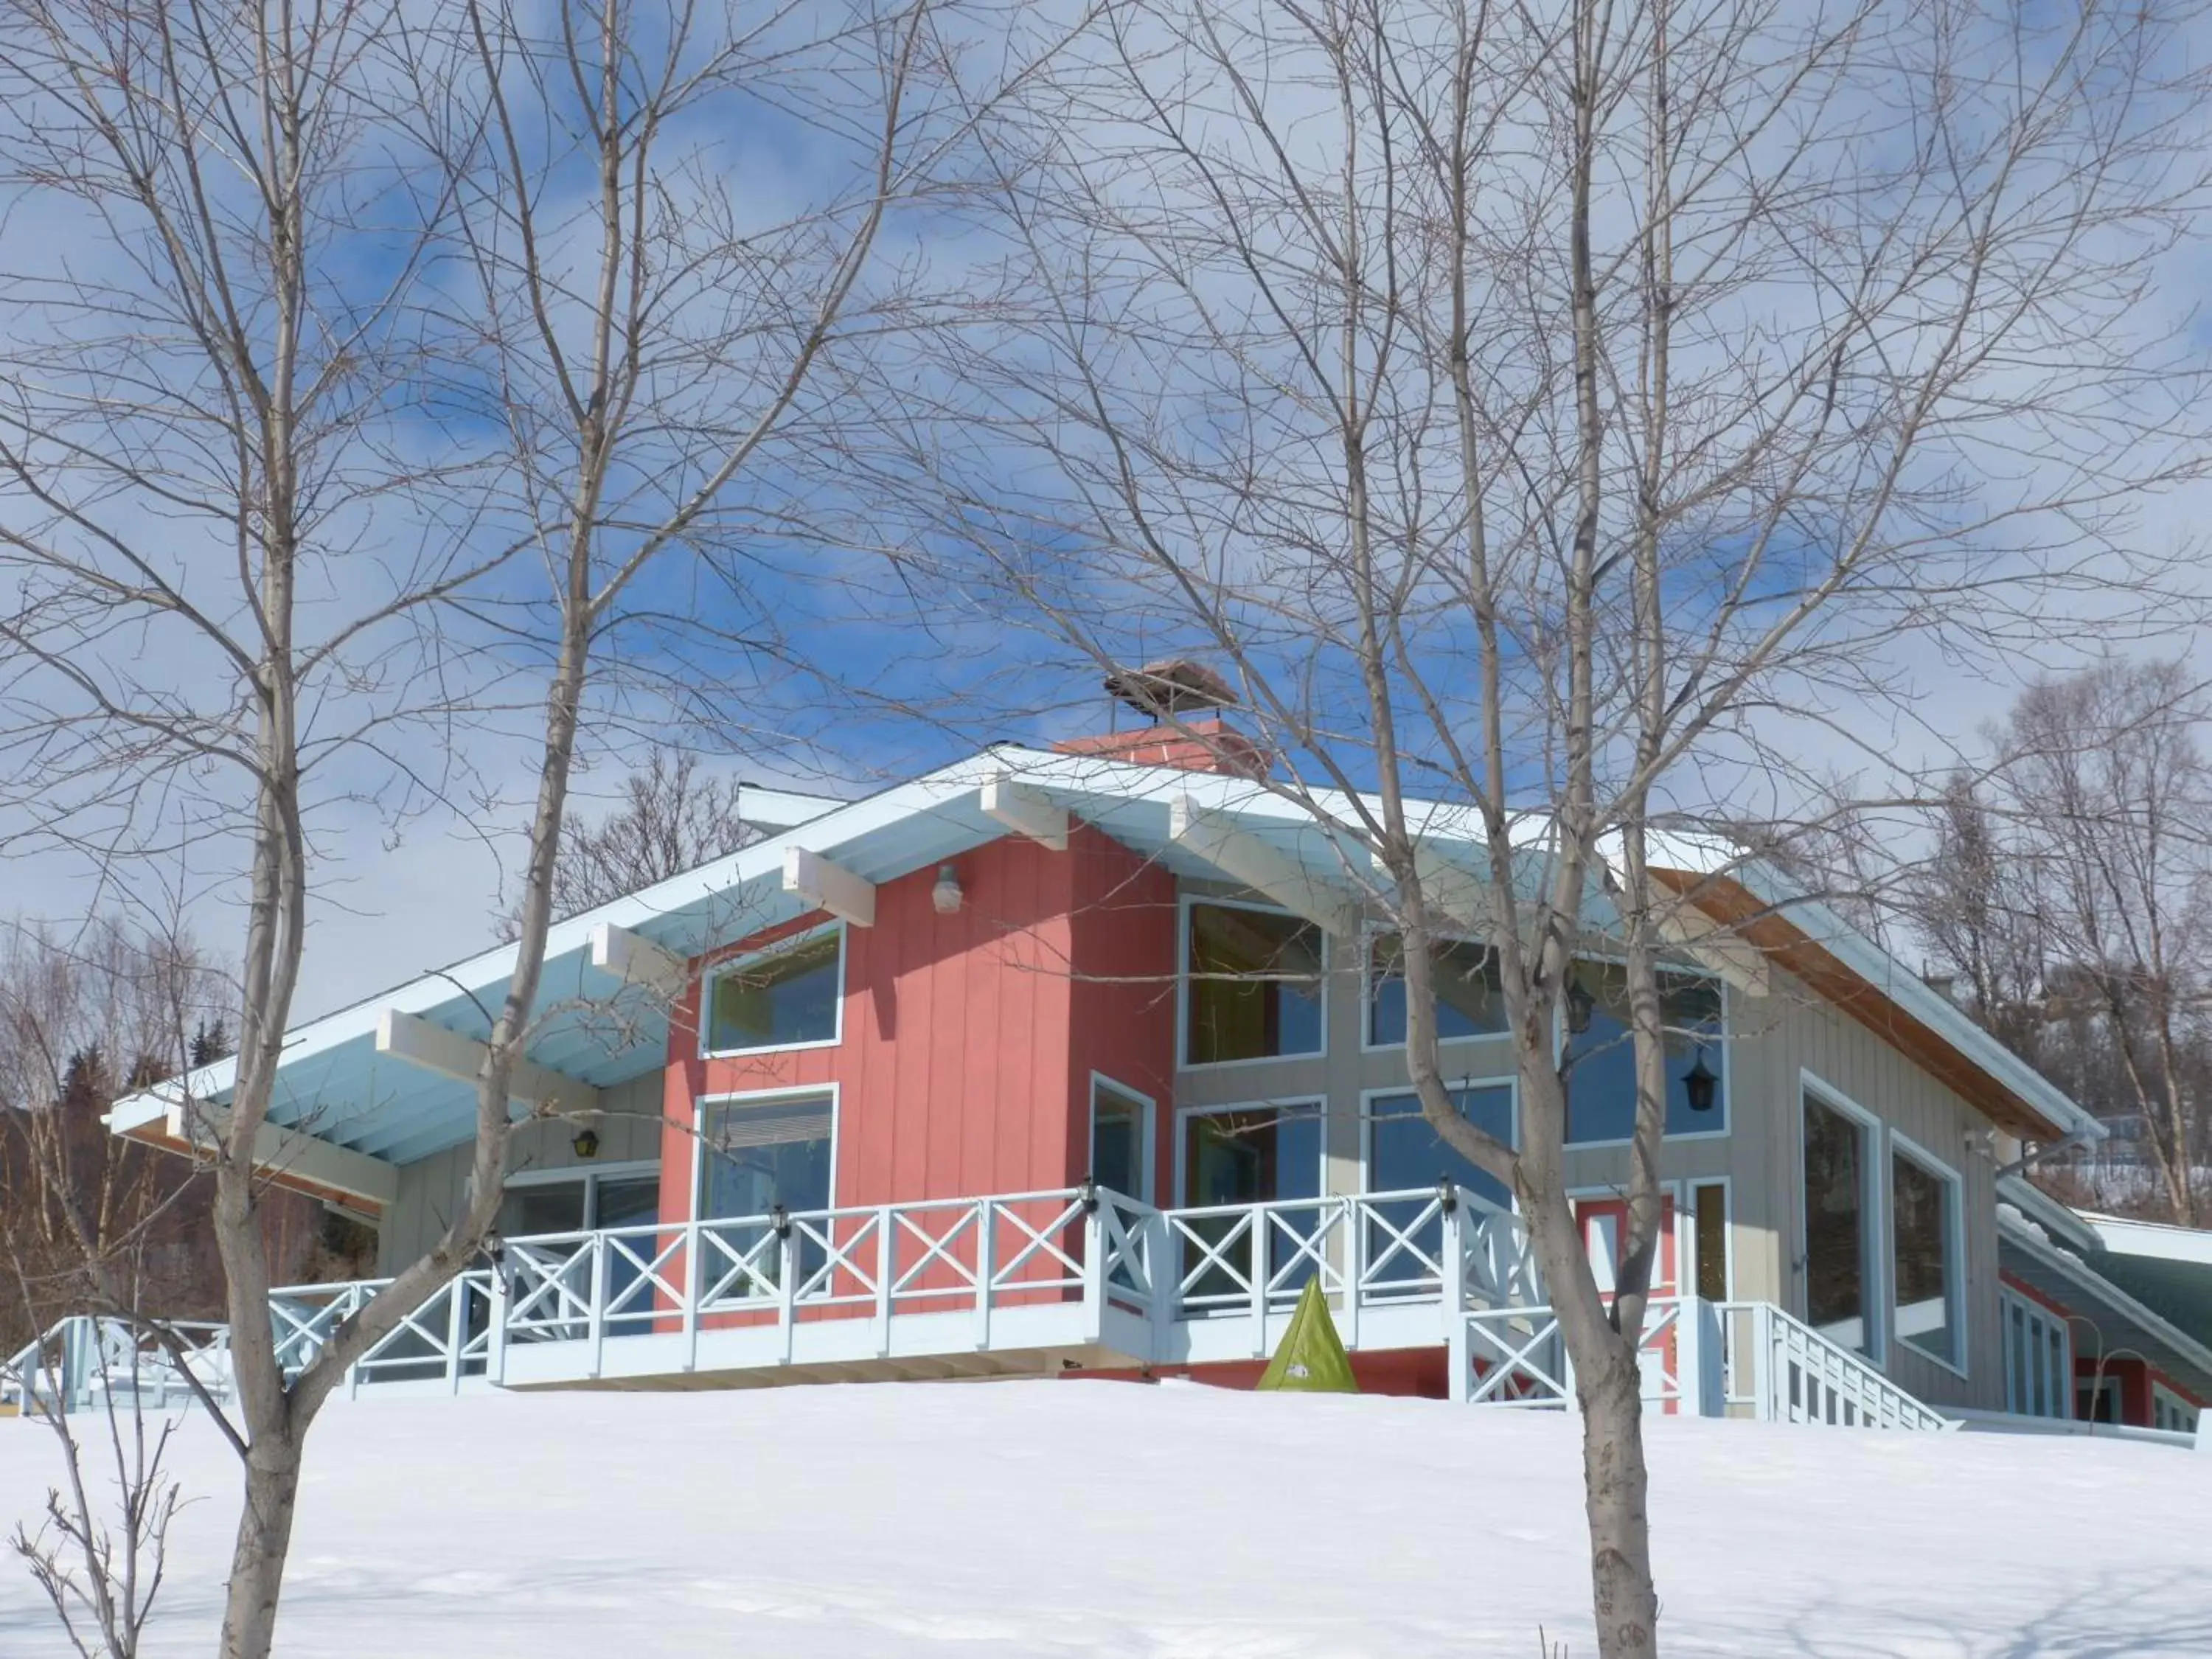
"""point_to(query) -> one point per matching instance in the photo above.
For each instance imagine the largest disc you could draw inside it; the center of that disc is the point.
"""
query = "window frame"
(1874, 1293)
(1148, 1151)
(1369, 936)
(1184, 902)
(2167, 1401)
(1510, 1083)
(703, 1150)
(591, 1175)
(1685, 1246)
(1723, 1042)
(732, 964)
(2036, 1320)
(1318, 1102)
(1954, 1243)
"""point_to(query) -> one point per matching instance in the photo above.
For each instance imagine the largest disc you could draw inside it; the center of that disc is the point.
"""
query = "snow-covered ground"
(1060, 1520)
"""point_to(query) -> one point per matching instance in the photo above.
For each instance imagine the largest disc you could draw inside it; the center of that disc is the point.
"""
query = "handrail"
(1113, 1254)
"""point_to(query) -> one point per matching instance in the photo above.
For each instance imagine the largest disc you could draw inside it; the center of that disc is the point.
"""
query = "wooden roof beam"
(636, 960)
(828, 886)
(1026, 812)
(1275, 875)
(421, 1042)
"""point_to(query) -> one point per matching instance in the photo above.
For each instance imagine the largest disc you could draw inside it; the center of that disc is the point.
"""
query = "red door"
(1604, 1223)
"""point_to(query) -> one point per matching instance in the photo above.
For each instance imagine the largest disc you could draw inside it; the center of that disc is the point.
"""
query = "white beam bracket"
(828, 886)
(421, 1042)
(636, 960)
(1026, 812)
(1245, 859)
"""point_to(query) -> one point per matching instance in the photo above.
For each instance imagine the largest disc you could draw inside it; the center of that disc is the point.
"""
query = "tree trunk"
(1615, 1485)
(264, 1542)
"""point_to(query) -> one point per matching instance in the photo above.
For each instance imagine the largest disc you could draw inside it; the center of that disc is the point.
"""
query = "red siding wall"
(964, 1061)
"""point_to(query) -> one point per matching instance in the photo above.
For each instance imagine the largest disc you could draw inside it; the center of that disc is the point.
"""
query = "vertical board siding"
(1122, 992)
(954, 1070)
(1792, 1032)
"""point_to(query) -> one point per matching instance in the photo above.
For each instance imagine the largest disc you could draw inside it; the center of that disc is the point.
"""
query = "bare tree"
(1582, 416)
(395, 358)
(2071, 894)
(672, 818)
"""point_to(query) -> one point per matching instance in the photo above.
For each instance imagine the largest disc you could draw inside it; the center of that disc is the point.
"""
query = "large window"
(1601, 1081)
(1839, 1208)
(1924, 1201)
(2039, 1359)
(1468, 1001)
(1253, 988)
(1251, 1155)
(1120, 1139)
(764, 1151)
(1403, 1154)
(784, 998)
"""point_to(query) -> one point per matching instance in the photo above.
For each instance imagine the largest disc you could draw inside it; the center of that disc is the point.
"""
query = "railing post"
(886, 1260)
(496, 1327)
(1452, 1296)
(987, 1223)
(596, 1310)
(457, 1330)
(787, 1287)
(1094, 1270)
(1698, 1389)
(1762, 1362)
(1257, 1236)
(1165, 1271)
(693, 1289)
(1355, 1264)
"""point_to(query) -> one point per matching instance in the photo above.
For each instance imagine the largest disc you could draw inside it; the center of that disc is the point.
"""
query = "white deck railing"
(86, 1359)
(1706, 1359)
(1073, 1270)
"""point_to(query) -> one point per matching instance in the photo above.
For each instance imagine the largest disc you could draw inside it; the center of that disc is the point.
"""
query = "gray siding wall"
(1774, 1039)
(431, 1192)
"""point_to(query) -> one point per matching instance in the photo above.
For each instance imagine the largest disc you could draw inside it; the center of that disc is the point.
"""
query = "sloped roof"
(335, 1085)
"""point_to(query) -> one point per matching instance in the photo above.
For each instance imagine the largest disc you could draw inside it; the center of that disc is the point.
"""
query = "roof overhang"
(2120, 1321)
(392, 1077)
(1808, 940)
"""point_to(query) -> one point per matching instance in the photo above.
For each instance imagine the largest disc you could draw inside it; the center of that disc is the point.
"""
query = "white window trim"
(733, 963)
(1954, 1226)
(552, 1174)
(1876, 1293)
(2038, 1318)
(1149, 1154)
(1510, 1083)
(1367, 938)
(589, 1176)
(2183, 1418)
(1183, 903)
(700, 1149)
(1559, 1035)
(1280, 1104)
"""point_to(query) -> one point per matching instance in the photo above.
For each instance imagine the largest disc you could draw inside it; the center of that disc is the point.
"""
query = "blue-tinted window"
(1404, 1152)
(1468, 1001)
(1256, 985)
(785, 996)
(1602, 1082)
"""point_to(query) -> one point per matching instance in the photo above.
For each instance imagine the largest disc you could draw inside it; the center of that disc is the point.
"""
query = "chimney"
(1181, 700)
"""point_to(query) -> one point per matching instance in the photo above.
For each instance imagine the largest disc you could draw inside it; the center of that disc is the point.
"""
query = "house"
(1088, 1059)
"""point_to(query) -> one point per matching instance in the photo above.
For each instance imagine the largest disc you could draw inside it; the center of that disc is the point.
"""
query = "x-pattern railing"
(1087, 1245)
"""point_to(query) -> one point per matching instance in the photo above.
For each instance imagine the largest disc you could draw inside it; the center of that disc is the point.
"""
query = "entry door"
(1604, 1223)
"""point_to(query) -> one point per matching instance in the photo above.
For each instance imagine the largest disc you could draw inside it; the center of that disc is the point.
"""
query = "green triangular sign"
(1311, 1359)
